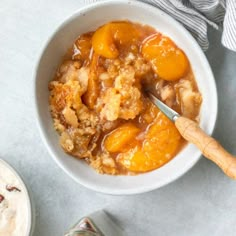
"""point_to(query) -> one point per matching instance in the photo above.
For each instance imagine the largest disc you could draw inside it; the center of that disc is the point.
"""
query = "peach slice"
(106, 39)
(90, 97)
(103, 43)
(118, 139)
(168, 61)
(160, 145)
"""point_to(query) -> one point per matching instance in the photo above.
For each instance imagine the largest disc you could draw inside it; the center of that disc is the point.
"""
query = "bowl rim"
(39, 122)
(30, 222)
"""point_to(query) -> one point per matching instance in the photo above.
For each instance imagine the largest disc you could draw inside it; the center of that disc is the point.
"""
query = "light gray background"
(201, 203)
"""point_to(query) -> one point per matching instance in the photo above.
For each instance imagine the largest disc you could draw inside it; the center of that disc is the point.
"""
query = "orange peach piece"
(162, 136)
(103, 42)
(124, 33)
(168, 61)
(159, 146)
(118, 139)
(92, 92)
(106, 38)
(138, 161)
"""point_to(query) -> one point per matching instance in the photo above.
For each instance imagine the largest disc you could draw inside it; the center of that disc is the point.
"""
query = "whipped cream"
(14, 213)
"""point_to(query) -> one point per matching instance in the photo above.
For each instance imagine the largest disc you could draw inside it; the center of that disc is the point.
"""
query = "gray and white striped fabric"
(196, 15)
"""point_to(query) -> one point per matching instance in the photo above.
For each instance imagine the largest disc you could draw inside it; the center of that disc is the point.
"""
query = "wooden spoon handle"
(208, 145)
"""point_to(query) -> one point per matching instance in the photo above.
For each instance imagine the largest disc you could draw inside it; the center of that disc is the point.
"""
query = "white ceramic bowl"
(87, 19)
(30, 209)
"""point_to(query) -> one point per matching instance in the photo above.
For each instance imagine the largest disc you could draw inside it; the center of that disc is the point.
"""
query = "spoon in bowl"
(191, 132)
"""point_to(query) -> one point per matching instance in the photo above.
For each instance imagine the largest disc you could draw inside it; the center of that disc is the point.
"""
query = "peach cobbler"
(97, 103)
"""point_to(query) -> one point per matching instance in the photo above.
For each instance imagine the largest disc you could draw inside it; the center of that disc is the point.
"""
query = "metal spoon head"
(170, 113)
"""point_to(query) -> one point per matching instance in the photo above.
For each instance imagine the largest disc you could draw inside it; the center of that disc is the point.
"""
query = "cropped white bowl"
(30, 209)
(87, 19)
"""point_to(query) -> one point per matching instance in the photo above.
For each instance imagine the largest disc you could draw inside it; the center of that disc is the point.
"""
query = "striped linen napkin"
(196, 15)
